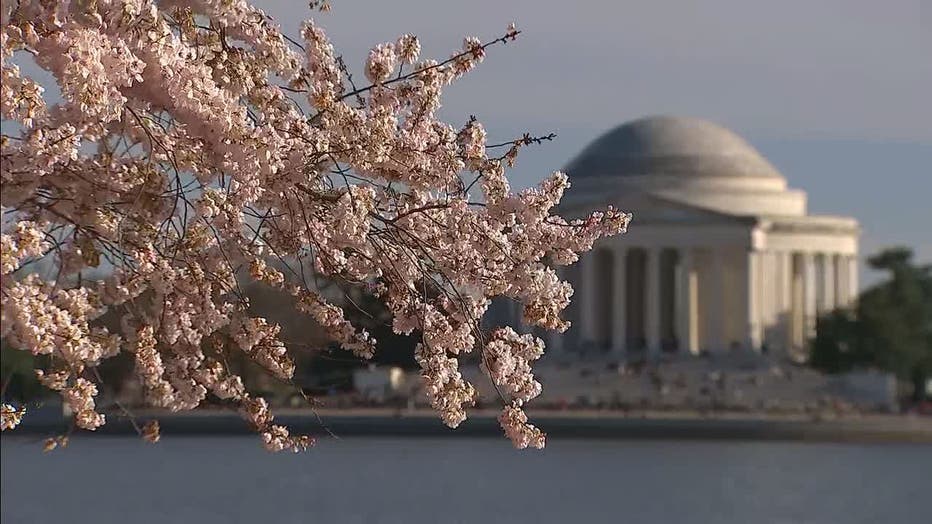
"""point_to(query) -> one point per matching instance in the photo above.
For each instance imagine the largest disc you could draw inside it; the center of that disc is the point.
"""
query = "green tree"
(890, 328)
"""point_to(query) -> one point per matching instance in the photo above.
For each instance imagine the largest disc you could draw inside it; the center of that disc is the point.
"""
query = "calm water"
(230, 479)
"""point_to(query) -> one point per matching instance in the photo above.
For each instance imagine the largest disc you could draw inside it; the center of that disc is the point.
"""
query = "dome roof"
(666, 145)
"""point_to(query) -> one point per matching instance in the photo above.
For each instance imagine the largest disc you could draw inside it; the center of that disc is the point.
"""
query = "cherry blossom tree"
(193, 143)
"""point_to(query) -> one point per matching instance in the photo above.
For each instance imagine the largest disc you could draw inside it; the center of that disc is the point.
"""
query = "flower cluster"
(150, 370)
(330, 317)
(10, 417)
(194, 147)
(24, 240)
(51, 443)
(508, 357)
(151, 431)
(522, 434)
(259, 339)
(274, 437)
(79, 397)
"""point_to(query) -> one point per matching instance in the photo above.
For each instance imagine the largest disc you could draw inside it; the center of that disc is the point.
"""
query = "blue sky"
(837, 94)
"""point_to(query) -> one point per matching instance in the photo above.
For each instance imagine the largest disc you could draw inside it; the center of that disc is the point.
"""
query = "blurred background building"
(721, 253)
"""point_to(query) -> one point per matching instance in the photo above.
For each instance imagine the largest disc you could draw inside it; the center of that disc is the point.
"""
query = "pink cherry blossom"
(196, 149)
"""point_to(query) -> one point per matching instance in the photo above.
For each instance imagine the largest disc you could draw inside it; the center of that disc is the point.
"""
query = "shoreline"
(375, 422)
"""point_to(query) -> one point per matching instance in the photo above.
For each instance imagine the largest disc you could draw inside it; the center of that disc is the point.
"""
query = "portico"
(669, 298)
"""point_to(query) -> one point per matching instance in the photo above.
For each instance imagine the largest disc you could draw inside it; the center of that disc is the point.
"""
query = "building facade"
(720, 254)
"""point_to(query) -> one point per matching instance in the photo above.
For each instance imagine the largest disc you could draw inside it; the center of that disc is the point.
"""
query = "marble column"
(687, 303)
(620, 300)
(716, 304)
(766, 285)
(587, 299)
(784, 298)
(840, 270)
(652, 300)
(810, 309)
(852, 274)
(754, 330)
(826, 290)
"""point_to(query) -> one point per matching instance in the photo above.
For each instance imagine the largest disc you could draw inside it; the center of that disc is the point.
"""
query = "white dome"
(688, 160)
(671, 146)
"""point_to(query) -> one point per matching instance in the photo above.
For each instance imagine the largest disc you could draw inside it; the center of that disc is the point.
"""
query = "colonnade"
(653, 299)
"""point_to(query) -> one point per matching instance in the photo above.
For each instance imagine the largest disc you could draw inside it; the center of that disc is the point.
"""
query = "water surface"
(208, 480)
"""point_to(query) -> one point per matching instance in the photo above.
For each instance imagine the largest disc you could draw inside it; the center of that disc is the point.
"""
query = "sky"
(836, 94)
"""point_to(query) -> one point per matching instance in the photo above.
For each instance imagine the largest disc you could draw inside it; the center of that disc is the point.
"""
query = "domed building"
(720, 254)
